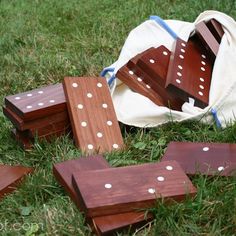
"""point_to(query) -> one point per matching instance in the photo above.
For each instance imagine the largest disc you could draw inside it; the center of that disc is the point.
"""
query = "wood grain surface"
(207, 38)
(37, 103)
(203, 158)
(10, 176)
(92, 115)
(216, 29)
(21, 125)
(124, 189)
(189, 72)
(102, 224)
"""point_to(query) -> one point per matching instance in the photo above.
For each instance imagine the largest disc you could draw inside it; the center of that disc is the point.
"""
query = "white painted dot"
(201, 86)
(183, 44)
(179, 74)
(29, 95)
(151, 190)
(148, 86)
(17, 98)
(28, 107)
(203, 56)
(84, 123)
(104, 105)
(89, 95)
(139, 79)
(200, 93)
(160, 178)
(203, 63)
(181, 56)
(99, 85)
(90, 146)
(221, 168)
(115, 145)
(75, 85)
(108, 186)
(99, 134)
(131, 72)
(202, 80)
(182, 50)
(40, 104)
(178, 81)
(80, 106)
(203, 69)
(40, 92)
(169, 167)
(165, 53)
(52, 101)
(109, 123)
(152, 61)
(205, 149)
(180, 67)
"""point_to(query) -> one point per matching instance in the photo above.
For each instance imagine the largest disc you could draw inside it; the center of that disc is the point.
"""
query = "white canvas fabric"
(137, 110)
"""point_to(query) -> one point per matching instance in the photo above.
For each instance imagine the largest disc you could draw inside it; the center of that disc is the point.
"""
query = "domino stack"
(170, 78)
(38, 113)
(114, 198)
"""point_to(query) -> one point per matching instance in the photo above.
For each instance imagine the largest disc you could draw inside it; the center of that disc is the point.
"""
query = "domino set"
(171, 78)
(114, 198)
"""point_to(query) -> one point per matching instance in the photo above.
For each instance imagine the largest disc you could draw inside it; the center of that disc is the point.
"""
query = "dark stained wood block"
(136, 83)
(124, 189)
(155, 63)
(63, 172)
(104, 224)
(204, 158)
(207, 38)
(37, 103)
(22, 138)
(189, 72)
(10, 176)
(92, 115)
(216, 29)
(36, 124)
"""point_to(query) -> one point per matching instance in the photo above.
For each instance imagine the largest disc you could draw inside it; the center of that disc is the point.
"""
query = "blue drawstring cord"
(217, 121)
(105, 70)
(163, 24)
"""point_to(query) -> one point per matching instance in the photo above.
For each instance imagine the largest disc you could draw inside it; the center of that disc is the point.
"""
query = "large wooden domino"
(37, 103)
(92, 115)
(216, 29)
(136, 83)
(207, 38)
(10, 176)
(204, 158)
(105, 224)
(124, 189)
(36, 124)
(141, 82)
(189, 72)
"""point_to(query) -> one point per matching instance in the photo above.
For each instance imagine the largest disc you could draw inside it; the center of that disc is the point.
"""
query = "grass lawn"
(44, 40)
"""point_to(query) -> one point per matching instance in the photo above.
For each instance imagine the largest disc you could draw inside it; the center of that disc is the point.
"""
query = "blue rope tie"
(163, 24)
(105, 70)
(217, 121)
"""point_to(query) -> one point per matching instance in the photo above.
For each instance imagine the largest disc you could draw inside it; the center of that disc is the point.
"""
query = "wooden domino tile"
(38, 102)
(204, 158)
(137, 84)
(92, 115)
(216, 29)
(104, 224)
(124, 189)
(155, 63)
(189, 72)
(37, 123)
(10, 177)
(207, 38)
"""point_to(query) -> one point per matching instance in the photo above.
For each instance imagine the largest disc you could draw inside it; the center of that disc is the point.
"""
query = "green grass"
(43, 41)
